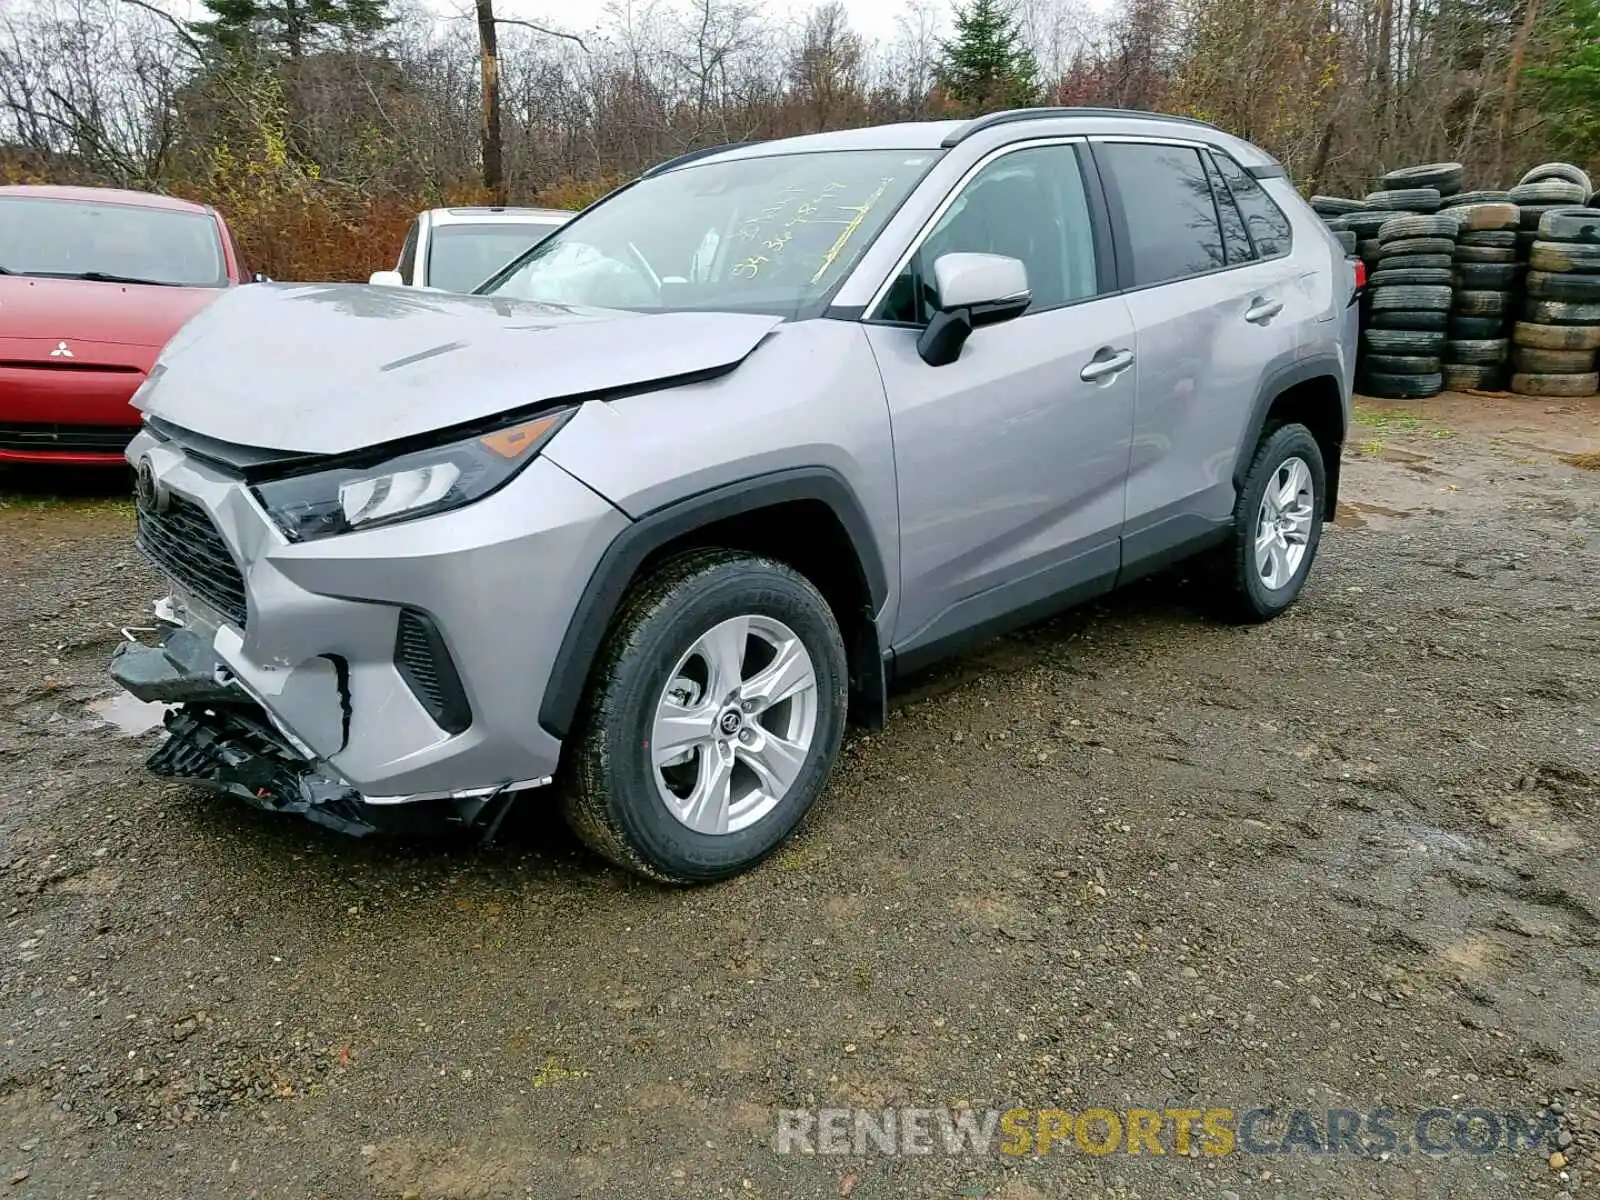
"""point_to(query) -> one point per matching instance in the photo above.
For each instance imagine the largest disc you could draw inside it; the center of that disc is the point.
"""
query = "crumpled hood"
(330, 368)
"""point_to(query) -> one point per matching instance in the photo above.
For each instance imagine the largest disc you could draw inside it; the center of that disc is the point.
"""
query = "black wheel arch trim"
(614, 574)
(1321, 366)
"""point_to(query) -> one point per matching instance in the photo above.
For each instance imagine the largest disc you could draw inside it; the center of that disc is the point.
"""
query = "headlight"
(323, 503)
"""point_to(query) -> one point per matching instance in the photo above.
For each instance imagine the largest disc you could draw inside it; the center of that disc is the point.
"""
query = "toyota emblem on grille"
(150, 495)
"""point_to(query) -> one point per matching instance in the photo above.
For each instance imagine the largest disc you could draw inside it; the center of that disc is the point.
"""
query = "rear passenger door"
(1211, 290)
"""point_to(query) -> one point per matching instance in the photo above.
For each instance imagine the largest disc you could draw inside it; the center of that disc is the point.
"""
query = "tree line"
(320, 126)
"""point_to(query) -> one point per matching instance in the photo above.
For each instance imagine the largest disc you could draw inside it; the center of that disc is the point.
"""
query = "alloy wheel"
(734, 724)
(1283, 523)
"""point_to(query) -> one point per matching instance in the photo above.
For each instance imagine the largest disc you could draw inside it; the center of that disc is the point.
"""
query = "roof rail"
(684, 159)
(1011, 115)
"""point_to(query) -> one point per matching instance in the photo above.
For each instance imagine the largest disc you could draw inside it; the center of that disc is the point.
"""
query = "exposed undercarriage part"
(220, 739)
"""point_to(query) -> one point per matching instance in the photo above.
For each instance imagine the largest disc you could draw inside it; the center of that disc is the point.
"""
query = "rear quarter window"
(1268, 227)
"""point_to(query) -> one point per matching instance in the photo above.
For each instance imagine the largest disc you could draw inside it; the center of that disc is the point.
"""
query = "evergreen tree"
(1569, 81)
(987, 65)
(291, 28)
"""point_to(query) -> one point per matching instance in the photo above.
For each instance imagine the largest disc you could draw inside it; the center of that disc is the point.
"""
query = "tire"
(1401, 387)
(1486, 277)
(1398, 364)
(1421, 245)
(1369, 252)
(1482, 352)
(1580, 257)
(1431, 322)
(1483, 196)
(1564, 285)
(1570, 225)
(1506, 239)
(1561, 312)
(1336, 206)
(1483, 304)
(1532, 214)
(1347, 239)
(1486, 218)
(614, 800)
(1564, 171)
(1421, 299)
(1556, 337)
(1417, 262)
(1486, 254)
(1366, 224)
(1476, 328)
(1469, 377)
(1555, 385)
(1419, 200)
(1407, 225)
(1445, 178)
(1244, 595)
(1532, 360)
(1550, 191)
(1525, 240)
(1409, 343)
(1387, 276)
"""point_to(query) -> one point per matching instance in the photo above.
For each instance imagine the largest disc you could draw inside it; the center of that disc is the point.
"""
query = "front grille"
(185, 543)
(67, 439)
(424, 663)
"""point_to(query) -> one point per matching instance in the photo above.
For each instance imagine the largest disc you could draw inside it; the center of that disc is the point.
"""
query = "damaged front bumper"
(221, 739)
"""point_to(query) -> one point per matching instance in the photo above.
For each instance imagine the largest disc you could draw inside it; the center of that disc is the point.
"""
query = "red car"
(93, 283)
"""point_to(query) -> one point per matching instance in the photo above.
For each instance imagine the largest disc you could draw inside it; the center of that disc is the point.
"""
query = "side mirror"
(386, 279)
(974, 290)
(258, 277)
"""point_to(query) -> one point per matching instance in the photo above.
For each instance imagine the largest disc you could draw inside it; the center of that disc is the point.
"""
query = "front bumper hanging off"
(221, 739)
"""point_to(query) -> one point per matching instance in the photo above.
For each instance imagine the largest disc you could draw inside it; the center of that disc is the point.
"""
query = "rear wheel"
(1277, 522)
(713, 721)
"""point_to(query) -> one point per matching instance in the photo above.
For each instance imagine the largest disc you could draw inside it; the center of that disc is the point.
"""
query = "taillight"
(1361, 274)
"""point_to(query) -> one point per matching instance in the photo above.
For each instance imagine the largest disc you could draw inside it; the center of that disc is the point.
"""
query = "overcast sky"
(872, 18)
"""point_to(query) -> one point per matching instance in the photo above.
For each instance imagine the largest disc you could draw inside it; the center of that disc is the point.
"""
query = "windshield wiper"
(108, 277)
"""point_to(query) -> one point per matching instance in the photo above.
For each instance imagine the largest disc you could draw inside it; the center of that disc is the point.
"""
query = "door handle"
(1106, 362)
(1262, 309)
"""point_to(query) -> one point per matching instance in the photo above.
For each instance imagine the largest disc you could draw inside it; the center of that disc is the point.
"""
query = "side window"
(1173, 231)
(1028, 204)
(1235, 241)
(1269, 228)
(408, 253)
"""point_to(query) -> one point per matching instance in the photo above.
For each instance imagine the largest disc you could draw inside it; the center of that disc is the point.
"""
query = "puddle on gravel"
(128, 715)
(1358, 516)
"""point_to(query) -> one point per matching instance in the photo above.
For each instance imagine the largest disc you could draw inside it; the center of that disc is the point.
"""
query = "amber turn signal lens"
(519, 439)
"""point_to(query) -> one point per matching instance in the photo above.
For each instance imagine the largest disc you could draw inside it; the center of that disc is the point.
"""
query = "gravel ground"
(1127, 858)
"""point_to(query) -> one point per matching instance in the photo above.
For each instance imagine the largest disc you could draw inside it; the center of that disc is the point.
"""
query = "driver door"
(1012, 461)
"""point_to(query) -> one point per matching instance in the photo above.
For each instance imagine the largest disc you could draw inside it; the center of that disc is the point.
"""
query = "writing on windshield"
(762, 234)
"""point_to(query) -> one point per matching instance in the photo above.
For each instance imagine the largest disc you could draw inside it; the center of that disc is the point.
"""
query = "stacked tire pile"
(1486, 277)
(1556, 340)
(1411, 283)
(1472, 290)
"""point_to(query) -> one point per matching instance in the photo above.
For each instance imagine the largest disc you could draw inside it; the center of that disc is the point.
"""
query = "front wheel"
(713, 720)
(1277, 526)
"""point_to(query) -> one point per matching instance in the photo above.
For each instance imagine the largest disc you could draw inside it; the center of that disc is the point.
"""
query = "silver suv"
(691, 482)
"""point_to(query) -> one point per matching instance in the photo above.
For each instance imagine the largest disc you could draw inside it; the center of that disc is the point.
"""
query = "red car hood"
(108, 314)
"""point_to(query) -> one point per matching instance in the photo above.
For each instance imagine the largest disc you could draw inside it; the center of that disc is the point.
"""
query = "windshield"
(460, 257)
(78, 239)
(768, 235)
